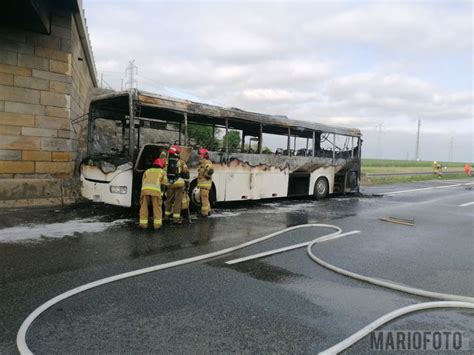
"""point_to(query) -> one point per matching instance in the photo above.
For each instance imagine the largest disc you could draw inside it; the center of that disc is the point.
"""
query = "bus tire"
(321, 188)
(194, 199)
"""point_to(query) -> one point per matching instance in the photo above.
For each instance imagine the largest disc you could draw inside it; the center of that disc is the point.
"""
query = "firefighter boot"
(177, 219)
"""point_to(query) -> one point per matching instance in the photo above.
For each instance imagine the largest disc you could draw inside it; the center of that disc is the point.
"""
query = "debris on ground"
(403, 221)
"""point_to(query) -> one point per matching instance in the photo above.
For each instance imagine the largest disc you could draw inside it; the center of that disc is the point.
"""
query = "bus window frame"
(249, 127)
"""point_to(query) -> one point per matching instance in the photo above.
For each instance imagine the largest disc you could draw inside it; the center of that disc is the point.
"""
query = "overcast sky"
(348, 63)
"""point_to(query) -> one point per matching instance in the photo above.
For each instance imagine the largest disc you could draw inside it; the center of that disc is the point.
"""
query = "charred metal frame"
(133, 107)
(186, 128)
(131, 123)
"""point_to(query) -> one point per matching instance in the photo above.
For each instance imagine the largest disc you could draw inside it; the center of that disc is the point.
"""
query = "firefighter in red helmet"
(178, 176)
(205, 180)
(153, 185)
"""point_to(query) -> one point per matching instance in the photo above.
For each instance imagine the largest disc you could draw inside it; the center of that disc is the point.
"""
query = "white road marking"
(281, 250)
(425, 188)
(461, 301)
(21, 335)
(467, 204)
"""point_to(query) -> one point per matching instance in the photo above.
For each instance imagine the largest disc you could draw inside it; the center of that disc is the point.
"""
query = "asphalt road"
(279, 304)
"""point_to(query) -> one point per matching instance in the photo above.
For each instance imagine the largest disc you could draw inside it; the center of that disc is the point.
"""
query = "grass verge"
(410, 178)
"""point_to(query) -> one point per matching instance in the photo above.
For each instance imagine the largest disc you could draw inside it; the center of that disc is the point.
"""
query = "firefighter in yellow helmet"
(153, 183)
(178, 177)
(438, 169)
(205, 180)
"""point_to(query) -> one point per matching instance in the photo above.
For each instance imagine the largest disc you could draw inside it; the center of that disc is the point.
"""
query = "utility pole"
(451, 144)
(379, 129)
(130, 72)
(417, 153)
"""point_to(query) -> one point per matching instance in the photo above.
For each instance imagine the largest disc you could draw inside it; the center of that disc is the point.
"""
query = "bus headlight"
(118, 189)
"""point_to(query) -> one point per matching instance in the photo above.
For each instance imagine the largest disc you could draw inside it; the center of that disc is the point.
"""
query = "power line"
(451, 145)
(417, 152)
(130, 72)
(379, 129)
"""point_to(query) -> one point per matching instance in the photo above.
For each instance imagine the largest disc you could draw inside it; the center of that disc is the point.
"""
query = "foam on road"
(33, 232)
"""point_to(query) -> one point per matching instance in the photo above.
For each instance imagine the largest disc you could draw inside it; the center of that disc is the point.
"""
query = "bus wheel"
(195, 197)
(321, 188)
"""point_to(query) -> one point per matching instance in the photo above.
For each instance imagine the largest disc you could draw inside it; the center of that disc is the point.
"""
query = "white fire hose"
(457, 301)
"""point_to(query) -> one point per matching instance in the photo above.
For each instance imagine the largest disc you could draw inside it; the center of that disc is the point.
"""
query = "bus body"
(114, 177)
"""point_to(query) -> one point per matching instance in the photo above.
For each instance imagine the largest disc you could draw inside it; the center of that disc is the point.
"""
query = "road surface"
(279, 304)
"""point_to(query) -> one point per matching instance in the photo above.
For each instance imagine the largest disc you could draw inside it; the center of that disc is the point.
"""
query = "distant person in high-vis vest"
(467, 169)
(178, 176)
(153, 185)
(205, 180)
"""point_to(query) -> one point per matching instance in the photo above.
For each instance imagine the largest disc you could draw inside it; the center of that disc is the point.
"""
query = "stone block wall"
(45, 82)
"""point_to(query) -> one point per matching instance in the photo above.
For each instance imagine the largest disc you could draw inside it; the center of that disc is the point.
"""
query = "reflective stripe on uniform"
(152, 187)
(167, 213)
(204, 209)
(157, 222)
(178, 183)
(176, 215)
(205, 185)
(143, 221)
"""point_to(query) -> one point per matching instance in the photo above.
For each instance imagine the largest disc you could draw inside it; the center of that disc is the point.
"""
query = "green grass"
(384, 163)
(411, 178)
(405, 166)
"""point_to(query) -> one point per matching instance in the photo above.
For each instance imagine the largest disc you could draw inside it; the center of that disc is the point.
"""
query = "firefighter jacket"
(205, 174)
(152, 180)
(183, 173)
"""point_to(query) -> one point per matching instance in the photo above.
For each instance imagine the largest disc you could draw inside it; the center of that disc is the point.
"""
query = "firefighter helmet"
(159, 163)
(203, 152)
(172, 150)
(177, 148)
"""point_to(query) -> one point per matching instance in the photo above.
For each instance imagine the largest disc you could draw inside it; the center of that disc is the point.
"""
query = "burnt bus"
(313, 159)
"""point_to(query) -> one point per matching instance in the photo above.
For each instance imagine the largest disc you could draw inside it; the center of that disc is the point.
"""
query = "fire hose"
(456, 301)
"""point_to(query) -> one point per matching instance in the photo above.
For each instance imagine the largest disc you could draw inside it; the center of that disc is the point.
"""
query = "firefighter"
(153, 184)
(178, 177)
(439, 170)
(205, 180)
(467, 169)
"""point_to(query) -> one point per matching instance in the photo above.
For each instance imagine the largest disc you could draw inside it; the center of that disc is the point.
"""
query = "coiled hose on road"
(458, 301)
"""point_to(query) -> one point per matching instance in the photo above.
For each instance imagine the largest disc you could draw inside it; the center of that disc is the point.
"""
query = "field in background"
(387, 166)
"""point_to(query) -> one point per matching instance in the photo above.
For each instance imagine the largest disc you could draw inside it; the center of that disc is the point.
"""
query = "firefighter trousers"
(173, 202)
(205, 205)
(144, 202)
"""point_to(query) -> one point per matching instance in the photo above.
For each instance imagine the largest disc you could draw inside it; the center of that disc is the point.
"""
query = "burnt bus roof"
(154, 106)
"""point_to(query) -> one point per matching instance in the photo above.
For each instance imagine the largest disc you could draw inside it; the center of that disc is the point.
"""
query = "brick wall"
(45, 82)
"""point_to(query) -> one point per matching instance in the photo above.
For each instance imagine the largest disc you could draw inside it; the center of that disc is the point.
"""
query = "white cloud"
(405, 26)
(348, 63)
(269, 95)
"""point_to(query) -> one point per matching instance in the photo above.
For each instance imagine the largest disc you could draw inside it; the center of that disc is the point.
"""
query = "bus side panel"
(237, 186)
(328, 172)
(218, 179)
(270, 184)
